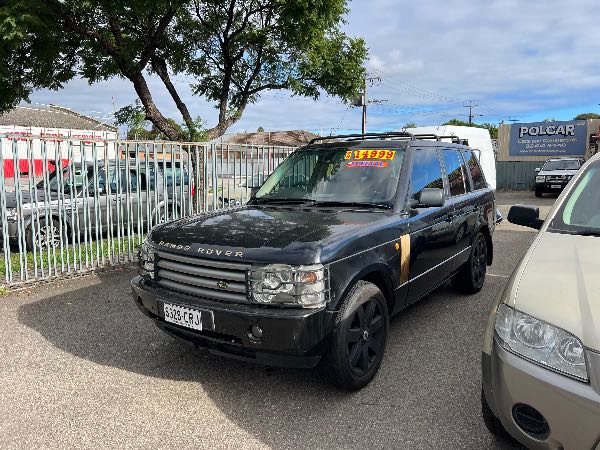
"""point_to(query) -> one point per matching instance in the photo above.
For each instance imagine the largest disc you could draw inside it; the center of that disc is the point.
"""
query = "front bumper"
(571, 408)
(552, 186)
(291, 337)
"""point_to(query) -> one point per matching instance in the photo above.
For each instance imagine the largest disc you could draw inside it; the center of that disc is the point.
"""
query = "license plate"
(185, 317)
(556, 186)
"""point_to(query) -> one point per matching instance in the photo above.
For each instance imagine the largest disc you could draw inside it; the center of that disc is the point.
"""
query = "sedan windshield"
(561, 164)
(338, 175)
(580, 212)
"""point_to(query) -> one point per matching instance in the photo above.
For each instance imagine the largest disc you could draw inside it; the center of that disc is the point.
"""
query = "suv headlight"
(541, 343)
(280, 284)
(146, 260)
(540, 179)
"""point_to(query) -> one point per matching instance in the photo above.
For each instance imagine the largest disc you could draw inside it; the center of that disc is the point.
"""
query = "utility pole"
(363, 101)
(472, 104)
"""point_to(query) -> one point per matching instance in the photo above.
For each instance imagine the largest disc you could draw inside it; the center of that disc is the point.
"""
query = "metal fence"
(71, 206)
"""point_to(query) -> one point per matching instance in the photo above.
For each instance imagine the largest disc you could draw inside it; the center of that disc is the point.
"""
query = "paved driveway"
(81, 367)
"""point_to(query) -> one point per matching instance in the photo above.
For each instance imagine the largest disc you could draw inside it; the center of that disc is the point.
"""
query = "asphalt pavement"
(81, 367)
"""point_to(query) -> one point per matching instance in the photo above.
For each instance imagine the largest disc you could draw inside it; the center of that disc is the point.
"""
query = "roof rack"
(360, 137)
(389, 135)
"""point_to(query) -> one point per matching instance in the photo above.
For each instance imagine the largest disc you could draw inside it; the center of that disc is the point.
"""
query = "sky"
(523, 61)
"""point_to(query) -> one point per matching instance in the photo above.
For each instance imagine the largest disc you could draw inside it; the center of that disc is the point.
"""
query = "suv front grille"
(557, 178)
(213, 279)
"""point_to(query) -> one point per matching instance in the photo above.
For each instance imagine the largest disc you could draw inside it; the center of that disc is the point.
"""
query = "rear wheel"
(48, 235)
(359, 338)
(471, 276)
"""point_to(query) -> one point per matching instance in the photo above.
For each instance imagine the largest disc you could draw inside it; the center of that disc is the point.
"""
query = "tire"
(471, 276)
(47, 238)
(538, 192)
(492, 423)
(359, 338)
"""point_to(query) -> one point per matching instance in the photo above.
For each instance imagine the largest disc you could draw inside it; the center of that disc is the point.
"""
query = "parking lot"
(82, 367)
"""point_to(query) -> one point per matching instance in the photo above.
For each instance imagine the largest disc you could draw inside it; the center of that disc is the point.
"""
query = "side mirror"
(538, 170)
(430, 198)
(525, 215)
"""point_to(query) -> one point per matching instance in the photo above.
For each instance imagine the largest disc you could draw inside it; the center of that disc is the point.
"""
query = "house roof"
(52, 116)
(290, 138)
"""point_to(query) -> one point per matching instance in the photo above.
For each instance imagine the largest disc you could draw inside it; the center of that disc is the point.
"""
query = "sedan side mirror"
(525, 215)
(430, 198)
(538, 170)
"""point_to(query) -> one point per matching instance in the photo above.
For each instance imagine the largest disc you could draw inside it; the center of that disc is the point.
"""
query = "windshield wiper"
(281, 201)
(351, 204)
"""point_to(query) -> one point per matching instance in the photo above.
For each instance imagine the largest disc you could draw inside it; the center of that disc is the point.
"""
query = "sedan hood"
(560, 284)
(262, 234)
(27, 197)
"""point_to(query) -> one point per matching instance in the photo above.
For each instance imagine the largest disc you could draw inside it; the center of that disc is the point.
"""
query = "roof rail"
(453, 139)
(354, 137)
(389, 135)
(427, 136)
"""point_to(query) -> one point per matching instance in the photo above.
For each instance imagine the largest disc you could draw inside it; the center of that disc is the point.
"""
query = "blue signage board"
(548, 139)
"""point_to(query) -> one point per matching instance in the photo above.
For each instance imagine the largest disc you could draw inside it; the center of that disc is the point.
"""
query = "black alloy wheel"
(365, 337)
(359, 337)
(479, 261)
(471, 276)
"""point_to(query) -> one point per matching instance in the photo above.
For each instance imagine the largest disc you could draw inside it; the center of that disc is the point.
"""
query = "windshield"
(561, 164)
(336, 174)
(73, 179)
(580, 212)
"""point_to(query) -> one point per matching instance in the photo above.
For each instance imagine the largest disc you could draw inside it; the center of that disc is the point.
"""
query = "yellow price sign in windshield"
(371, 154)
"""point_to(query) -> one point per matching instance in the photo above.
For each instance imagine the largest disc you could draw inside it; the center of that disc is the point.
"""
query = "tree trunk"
(160, 68)
(152, 112)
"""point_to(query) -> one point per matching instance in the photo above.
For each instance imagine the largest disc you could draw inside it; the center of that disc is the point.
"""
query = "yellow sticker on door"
(404, 258)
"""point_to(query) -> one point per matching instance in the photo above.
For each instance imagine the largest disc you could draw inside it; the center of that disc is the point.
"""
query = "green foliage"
(232, 50)
(410, 125)
(492, 128)
(585, 116)
(260, 130)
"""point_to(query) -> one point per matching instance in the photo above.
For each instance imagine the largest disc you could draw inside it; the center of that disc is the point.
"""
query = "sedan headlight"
(279, 284)
(146, 260)
(541, 343)
(540, 179)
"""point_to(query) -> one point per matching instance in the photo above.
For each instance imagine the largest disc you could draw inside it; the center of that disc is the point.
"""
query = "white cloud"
(514, 57)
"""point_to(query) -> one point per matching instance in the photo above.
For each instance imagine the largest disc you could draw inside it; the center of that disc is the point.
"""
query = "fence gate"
(70, 206)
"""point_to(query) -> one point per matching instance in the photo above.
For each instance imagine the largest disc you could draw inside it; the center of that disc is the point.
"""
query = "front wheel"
(539, 192)
(471, 275)
(359, 338)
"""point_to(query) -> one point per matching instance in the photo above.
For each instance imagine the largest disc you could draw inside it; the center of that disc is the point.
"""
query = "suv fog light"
(256, 331)
(531, 421)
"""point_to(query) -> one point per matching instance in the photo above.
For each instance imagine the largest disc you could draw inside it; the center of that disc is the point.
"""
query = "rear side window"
(426, 171)
(475, 170)
(456, 171)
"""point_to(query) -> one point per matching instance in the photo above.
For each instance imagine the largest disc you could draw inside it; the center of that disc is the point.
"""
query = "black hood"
(263, 234)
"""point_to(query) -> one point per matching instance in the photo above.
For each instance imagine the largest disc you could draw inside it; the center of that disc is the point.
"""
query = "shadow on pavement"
(426, 394)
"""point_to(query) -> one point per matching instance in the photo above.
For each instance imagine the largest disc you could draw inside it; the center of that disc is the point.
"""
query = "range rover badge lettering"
(210, 251)
(222, 284)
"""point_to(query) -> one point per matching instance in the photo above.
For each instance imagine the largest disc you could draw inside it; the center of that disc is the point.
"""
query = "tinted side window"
(456, 172)
(426, 171)
(475, 170)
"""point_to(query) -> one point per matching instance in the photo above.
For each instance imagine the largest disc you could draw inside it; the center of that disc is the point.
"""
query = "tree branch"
(160, 67)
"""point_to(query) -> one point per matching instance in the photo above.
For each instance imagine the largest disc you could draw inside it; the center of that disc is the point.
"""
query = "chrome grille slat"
(201, 277)
(201, 292)
(218, 264)
(201, 281)
(202, 271)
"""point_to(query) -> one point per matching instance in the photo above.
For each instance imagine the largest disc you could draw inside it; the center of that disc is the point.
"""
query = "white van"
(479, 139)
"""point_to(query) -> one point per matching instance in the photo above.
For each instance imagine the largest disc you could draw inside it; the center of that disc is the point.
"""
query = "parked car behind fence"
(91, 210)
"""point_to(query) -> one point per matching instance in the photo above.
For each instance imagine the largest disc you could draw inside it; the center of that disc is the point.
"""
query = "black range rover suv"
(342, 236)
